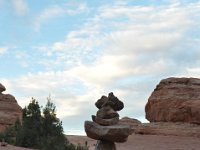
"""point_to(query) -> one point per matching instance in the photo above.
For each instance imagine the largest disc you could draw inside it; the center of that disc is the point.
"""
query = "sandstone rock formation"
(2, 88)
(169, 129)
(130, 121)
(134, 123)
(175, 100)
(10, 111)
(105, 127)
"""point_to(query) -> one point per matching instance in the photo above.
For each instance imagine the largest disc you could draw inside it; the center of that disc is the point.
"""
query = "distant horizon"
(76, 51)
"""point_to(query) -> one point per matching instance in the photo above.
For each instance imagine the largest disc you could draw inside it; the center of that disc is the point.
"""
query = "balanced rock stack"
(105, 127)
(10, 111)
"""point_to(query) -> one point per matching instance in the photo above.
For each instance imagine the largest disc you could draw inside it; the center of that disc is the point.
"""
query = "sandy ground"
(137, 142)
(10, 147)
(148, 142)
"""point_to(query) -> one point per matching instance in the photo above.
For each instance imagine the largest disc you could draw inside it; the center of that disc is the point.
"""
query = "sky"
(75, 51)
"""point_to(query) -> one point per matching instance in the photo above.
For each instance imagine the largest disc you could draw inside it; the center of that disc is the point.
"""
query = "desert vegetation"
(39, 129)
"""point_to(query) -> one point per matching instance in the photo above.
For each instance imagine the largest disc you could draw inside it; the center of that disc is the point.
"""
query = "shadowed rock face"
(175, 100)
(113, 133)
(10, 111)
(105, 127)
(2, 88)
(111, 101)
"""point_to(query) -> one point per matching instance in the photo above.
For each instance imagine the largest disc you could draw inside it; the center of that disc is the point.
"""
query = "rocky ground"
(138, 142)
(147, 142)
(11, 147)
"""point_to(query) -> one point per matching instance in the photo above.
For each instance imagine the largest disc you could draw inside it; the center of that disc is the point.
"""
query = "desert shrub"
(41, 129)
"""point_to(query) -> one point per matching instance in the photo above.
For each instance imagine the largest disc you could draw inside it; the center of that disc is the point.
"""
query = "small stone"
(106, 122)
(107, 113)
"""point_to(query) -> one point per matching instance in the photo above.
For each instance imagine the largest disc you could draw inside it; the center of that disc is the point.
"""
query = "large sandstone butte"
(10, 111)
(175, 100)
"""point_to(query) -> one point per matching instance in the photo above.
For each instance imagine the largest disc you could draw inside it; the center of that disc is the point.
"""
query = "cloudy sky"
(78, 50)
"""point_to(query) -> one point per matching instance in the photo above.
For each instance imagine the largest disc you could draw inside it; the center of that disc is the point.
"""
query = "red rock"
(169, 129)
(2, 88)
(175, 100)
(10, 111)
(129, 121)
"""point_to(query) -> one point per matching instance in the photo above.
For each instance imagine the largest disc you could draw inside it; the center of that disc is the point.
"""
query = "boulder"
(175, 100)
(112, 133)
(134, 123)
(10, 111)
(2, 88)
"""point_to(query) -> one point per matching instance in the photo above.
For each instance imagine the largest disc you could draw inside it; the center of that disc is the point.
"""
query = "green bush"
(38, 130)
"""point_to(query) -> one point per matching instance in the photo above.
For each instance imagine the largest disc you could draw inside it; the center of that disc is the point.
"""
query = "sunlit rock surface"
(175, 100)
(10, 111)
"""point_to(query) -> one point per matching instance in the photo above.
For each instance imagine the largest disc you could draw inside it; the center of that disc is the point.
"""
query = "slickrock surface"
(147, 142)
(175, 100)
(10, 111)
(169, 129)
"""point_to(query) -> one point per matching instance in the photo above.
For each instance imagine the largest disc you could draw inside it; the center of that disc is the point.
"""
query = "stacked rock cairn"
(105, 128)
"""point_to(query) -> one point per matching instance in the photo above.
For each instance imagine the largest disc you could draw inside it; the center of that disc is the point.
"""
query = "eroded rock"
(10, 111)
(169, 129)
(175, 100)
(2, 88)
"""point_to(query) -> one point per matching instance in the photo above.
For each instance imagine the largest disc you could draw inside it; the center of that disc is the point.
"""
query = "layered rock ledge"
(169, 129)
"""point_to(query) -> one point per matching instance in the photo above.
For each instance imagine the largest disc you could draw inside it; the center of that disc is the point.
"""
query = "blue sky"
(76, 51)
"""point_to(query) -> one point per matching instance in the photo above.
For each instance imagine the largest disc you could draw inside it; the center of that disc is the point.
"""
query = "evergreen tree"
(52, 133)
(29, 133)
(43, 132)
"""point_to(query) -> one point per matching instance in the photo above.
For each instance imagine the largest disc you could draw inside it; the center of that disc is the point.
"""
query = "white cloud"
(3, 50)
(193, 72)
(55, 11)
(20, 7)
(130, 57)
(147, 44)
